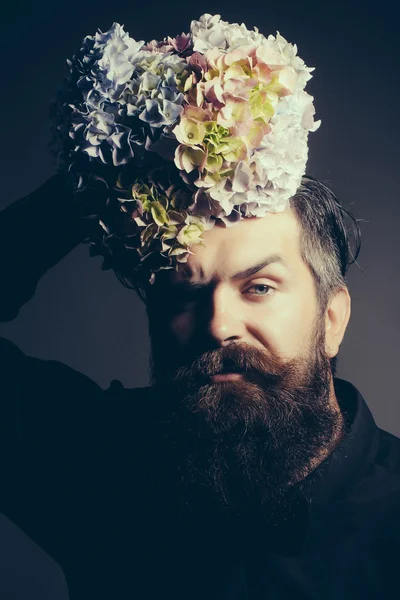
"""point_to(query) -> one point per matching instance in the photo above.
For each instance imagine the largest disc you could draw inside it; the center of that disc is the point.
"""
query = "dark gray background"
(83, 316)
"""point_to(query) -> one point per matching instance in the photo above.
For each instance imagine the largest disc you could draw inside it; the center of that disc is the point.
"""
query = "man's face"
(251, 434)
(273, 310)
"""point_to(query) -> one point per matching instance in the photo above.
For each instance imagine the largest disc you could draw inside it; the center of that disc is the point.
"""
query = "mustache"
(240, 358)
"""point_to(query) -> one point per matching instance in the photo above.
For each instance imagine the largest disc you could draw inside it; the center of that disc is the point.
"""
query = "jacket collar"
(330, 480)
(355, 451)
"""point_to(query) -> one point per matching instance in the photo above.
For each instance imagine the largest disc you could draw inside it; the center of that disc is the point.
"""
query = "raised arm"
(51, 416)
(36, 232)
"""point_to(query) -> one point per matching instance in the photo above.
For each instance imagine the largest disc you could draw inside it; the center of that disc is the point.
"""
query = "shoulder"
(131, 409)
(384, 486)
(136, 397)
(388, 452)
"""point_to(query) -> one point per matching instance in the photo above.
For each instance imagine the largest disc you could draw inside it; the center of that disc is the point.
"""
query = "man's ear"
(336, 319)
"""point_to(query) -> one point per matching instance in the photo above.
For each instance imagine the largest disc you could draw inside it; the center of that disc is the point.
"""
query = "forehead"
(230, 249)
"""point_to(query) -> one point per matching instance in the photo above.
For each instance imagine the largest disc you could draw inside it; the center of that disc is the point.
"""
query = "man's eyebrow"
(273, 258)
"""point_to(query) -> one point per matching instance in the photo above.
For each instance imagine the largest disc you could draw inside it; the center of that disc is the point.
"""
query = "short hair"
(325, 244)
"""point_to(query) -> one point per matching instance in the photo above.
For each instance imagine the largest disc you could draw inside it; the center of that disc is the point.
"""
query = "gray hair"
(324, 240)
(324, 243)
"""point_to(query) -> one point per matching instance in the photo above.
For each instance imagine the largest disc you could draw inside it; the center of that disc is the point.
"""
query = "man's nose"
(225, 320)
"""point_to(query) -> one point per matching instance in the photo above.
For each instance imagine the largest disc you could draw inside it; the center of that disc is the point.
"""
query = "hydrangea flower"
(210, 125)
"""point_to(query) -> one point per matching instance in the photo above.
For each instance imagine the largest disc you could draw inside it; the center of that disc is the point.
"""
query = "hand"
(89, 202)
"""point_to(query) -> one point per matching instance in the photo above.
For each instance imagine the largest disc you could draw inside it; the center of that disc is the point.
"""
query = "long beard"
(245, 442)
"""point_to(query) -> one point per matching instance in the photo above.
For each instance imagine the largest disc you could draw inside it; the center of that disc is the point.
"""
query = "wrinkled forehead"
(227, 250)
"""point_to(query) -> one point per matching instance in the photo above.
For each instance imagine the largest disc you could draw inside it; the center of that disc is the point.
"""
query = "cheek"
(182, 328)
(284, 330)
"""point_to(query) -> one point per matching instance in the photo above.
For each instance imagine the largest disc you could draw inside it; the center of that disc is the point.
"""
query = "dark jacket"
(85, 476)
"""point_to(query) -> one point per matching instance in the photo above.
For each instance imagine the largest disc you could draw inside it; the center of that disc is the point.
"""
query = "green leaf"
(159, 213)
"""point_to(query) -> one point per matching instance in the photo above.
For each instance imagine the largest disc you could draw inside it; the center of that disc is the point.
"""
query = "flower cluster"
(222, 111)
(162, 218)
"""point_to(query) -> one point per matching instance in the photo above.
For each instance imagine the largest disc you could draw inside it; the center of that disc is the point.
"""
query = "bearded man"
(246, 467)
(251, 325)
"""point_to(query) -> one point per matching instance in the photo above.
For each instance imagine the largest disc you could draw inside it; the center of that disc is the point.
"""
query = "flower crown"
(179, 133)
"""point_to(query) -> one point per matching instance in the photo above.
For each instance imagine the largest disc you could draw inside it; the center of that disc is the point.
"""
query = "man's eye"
(260, 285)
(183, 301)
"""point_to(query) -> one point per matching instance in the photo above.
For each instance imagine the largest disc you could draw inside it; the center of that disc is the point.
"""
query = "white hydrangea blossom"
(277, 166)
(211, 32)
